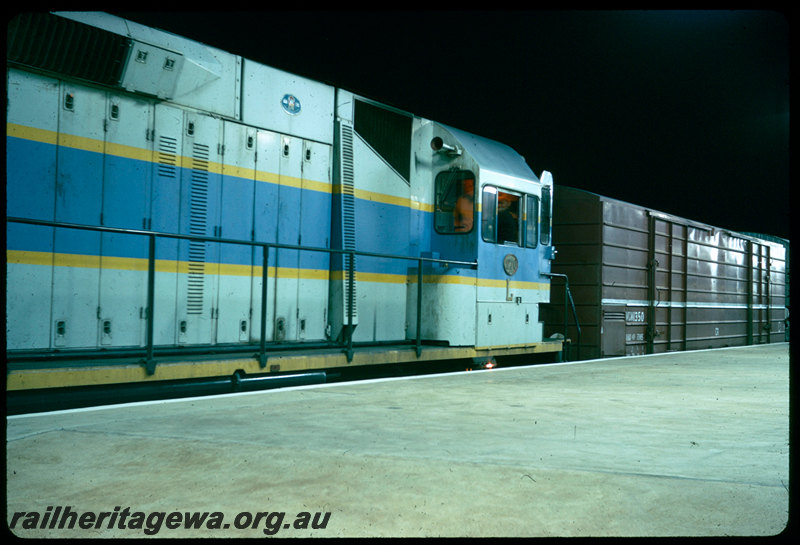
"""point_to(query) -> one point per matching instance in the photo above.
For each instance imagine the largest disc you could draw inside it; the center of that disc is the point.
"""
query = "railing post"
(262, 355)
(566, 302)
(150, 364)
(419, 308)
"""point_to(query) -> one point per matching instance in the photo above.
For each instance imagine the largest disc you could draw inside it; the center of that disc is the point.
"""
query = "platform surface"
(686, 444)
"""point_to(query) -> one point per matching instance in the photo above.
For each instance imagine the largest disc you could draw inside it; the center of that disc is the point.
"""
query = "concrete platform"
(687, 444)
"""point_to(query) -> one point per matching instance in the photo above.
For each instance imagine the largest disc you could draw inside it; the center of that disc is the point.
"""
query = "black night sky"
(686, 112)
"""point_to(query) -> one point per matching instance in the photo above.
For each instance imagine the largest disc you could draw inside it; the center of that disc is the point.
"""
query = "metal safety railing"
(262, 355)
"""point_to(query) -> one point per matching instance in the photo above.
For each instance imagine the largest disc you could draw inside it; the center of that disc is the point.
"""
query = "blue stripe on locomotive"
(281, 214)
(78, 195)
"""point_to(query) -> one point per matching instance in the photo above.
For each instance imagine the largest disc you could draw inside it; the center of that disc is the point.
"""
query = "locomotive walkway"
(682, 444)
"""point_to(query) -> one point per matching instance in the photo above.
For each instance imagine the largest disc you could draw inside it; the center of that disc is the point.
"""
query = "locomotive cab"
(489, 208)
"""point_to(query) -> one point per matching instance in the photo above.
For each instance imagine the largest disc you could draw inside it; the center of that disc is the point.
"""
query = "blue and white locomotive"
(167, 200)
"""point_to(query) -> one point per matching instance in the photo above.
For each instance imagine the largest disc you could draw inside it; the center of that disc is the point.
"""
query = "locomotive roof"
(493, 155)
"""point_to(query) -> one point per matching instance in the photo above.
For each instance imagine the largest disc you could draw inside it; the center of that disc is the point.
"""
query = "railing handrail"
(205, 238)
(262, 356)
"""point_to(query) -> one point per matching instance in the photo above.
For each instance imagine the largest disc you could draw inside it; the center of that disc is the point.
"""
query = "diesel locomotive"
(176, 211)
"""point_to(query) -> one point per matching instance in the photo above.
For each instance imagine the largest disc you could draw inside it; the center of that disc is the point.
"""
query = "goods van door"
(667, 309)
(759, 300)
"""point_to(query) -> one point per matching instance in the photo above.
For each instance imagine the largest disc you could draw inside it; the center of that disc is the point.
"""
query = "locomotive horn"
(438, 145)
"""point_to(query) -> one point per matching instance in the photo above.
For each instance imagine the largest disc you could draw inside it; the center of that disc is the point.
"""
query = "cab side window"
(501, 218)
(531, 221)
(489, 214)
(455, 202)
(547, 216)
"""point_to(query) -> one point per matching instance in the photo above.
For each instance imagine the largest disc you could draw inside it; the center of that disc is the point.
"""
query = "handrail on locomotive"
(568, 299)
(149, 360)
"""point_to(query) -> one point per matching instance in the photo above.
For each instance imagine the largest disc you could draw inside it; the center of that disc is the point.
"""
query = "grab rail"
(568, 298)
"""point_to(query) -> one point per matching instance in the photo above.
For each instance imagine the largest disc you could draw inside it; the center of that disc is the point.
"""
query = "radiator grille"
(49, 42)
(198, 219)
(348, 212)
(387, 132)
